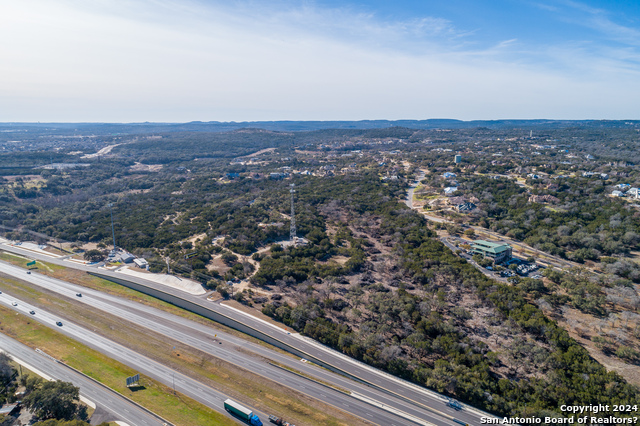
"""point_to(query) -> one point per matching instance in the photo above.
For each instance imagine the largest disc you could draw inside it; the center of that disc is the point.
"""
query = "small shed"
(141, 263)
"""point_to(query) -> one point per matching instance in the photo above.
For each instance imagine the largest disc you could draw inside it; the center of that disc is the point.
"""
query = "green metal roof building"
(499, 252)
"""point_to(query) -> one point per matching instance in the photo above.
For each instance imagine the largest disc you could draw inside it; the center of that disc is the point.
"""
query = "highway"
(382, 387)
(169, 377)
(201, 339)
(118, 407)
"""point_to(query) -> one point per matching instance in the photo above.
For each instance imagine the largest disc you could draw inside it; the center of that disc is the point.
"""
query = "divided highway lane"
(183, 384)
(398, 387)
(120, 408)
(191, 387)
(201, 337)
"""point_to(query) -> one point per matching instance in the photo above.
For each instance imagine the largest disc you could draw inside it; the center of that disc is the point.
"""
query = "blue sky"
(170, 60)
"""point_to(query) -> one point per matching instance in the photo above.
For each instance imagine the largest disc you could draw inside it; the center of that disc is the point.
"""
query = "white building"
(141, 263)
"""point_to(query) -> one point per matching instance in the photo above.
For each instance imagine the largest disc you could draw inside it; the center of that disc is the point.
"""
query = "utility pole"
(292, 231)
(113, 233)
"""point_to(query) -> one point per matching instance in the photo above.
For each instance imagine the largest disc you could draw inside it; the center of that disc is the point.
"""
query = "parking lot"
(523, 268)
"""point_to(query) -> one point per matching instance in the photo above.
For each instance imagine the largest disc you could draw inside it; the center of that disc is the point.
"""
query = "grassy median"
(178, 409)
(82, 278)
(231, 379)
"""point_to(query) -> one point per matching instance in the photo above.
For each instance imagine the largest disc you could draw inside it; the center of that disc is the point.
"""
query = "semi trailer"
(242, 412)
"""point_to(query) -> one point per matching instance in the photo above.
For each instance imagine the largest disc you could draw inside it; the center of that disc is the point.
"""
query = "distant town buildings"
(457, 159)
(278, 175)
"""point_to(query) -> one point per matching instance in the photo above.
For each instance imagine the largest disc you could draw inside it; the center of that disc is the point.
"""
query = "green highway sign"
(32, 263)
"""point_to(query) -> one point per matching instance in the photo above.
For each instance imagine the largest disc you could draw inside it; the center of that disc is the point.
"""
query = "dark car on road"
(454, 404)
(59, 324)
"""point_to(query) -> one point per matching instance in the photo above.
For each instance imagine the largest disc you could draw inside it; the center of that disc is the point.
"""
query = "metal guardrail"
(41, 352)
(247, 329)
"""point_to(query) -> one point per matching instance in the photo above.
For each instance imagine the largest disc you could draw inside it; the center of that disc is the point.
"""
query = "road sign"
(32, 263)
(190, 255)
(133, 380)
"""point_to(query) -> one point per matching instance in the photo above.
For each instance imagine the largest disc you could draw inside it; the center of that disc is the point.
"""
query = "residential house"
(450, 190)
(465, 207)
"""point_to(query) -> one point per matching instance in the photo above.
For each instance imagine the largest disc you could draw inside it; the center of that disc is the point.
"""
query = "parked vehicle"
(242, 412)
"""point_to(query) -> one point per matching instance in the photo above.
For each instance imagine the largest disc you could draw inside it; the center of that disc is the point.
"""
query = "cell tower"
(292, 231)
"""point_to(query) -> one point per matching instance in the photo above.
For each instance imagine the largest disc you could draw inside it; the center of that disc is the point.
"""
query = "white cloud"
(125, 60)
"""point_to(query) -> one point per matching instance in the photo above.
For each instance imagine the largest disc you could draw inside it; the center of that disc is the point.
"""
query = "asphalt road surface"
(389, 390)
(117, 407)
(191, 387)
(202, 337)
(181, 383)
(543, 256)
